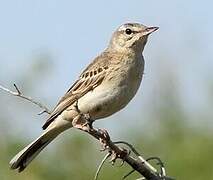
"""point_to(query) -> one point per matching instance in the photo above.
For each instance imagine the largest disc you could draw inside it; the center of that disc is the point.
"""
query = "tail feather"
(24, 157)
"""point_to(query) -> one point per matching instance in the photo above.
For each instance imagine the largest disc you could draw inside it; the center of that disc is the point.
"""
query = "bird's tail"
(24, 157)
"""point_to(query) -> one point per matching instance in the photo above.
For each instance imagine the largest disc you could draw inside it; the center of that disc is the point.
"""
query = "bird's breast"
(115, 92)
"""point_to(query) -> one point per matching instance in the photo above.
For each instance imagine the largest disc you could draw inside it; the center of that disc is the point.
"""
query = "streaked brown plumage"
(104, 87)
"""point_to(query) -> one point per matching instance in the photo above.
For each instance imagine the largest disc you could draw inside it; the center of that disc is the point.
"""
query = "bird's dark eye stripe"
(132, 31)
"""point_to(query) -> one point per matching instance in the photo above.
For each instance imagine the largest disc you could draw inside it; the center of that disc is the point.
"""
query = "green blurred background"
(45, 44)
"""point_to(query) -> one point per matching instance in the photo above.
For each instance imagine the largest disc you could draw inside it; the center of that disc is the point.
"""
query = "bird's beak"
(149, 30)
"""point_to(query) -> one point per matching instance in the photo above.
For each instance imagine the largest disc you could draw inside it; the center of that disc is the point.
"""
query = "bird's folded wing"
(88, 80)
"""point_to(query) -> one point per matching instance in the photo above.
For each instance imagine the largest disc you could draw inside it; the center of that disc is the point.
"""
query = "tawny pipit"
(104, 87)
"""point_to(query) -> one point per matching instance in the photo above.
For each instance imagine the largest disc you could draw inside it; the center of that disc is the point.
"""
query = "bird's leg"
(82, 121)
(88, 120)
(79, 123)
(76, 106)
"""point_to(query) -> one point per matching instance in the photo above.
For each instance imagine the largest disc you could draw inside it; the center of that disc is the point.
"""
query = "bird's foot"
(88, 121)
(103, 138)
(83, 122)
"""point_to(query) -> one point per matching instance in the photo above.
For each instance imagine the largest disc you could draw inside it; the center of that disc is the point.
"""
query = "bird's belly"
(104, 101)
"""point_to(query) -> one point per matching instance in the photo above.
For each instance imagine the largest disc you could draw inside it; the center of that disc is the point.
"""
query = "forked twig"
(159, 162)
(121, 153)
(19, 94)
(138, 155)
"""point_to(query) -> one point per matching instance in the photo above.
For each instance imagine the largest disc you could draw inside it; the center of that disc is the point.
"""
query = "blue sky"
(74, 32)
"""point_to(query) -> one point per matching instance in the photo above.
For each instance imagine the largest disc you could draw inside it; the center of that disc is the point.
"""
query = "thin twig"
(138, 155)
(19, 94)
(141, 165)
(160, 163)
(121, 153)
(128, 174)
(44, 111)
(129, 145)
(101, 165)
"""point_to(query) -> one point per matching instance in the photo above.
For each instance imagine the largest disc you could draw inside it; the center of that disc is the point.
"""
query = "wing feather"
(83, 85)
(91, 77)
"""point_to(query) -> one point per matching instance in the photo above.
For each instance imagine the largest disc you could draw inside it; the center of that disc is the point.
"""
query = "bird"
(105, 87)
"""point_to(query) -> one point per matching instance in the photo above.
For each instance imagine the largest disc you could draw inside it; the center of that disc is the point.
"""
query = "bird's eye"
(128, 31)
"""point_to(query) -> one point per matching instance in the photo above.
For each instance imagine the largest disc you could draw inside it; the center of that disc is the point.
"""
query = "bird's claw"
(104, 134)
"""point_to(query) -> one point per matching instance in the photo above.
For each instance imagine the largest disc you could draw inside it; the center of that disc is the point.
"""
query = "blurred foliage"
(186, 151)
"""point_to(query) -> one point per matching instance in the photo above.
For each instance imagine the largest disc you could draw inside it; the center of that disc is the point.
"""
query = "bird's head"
(131, 36)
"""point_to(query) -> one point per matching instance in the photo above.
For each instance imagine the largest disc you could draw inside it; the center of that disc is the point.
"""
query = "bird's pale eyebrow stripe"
(124, 26)
(129, 24)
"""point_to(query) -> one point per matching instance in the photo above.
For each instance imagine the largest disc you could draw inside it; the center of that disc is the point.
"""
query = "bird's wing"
(91, 77)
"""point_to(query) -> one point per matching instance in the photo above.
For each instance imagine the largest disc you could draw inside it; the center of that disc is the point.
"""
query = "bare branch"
(19, 94)
(138, 164)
